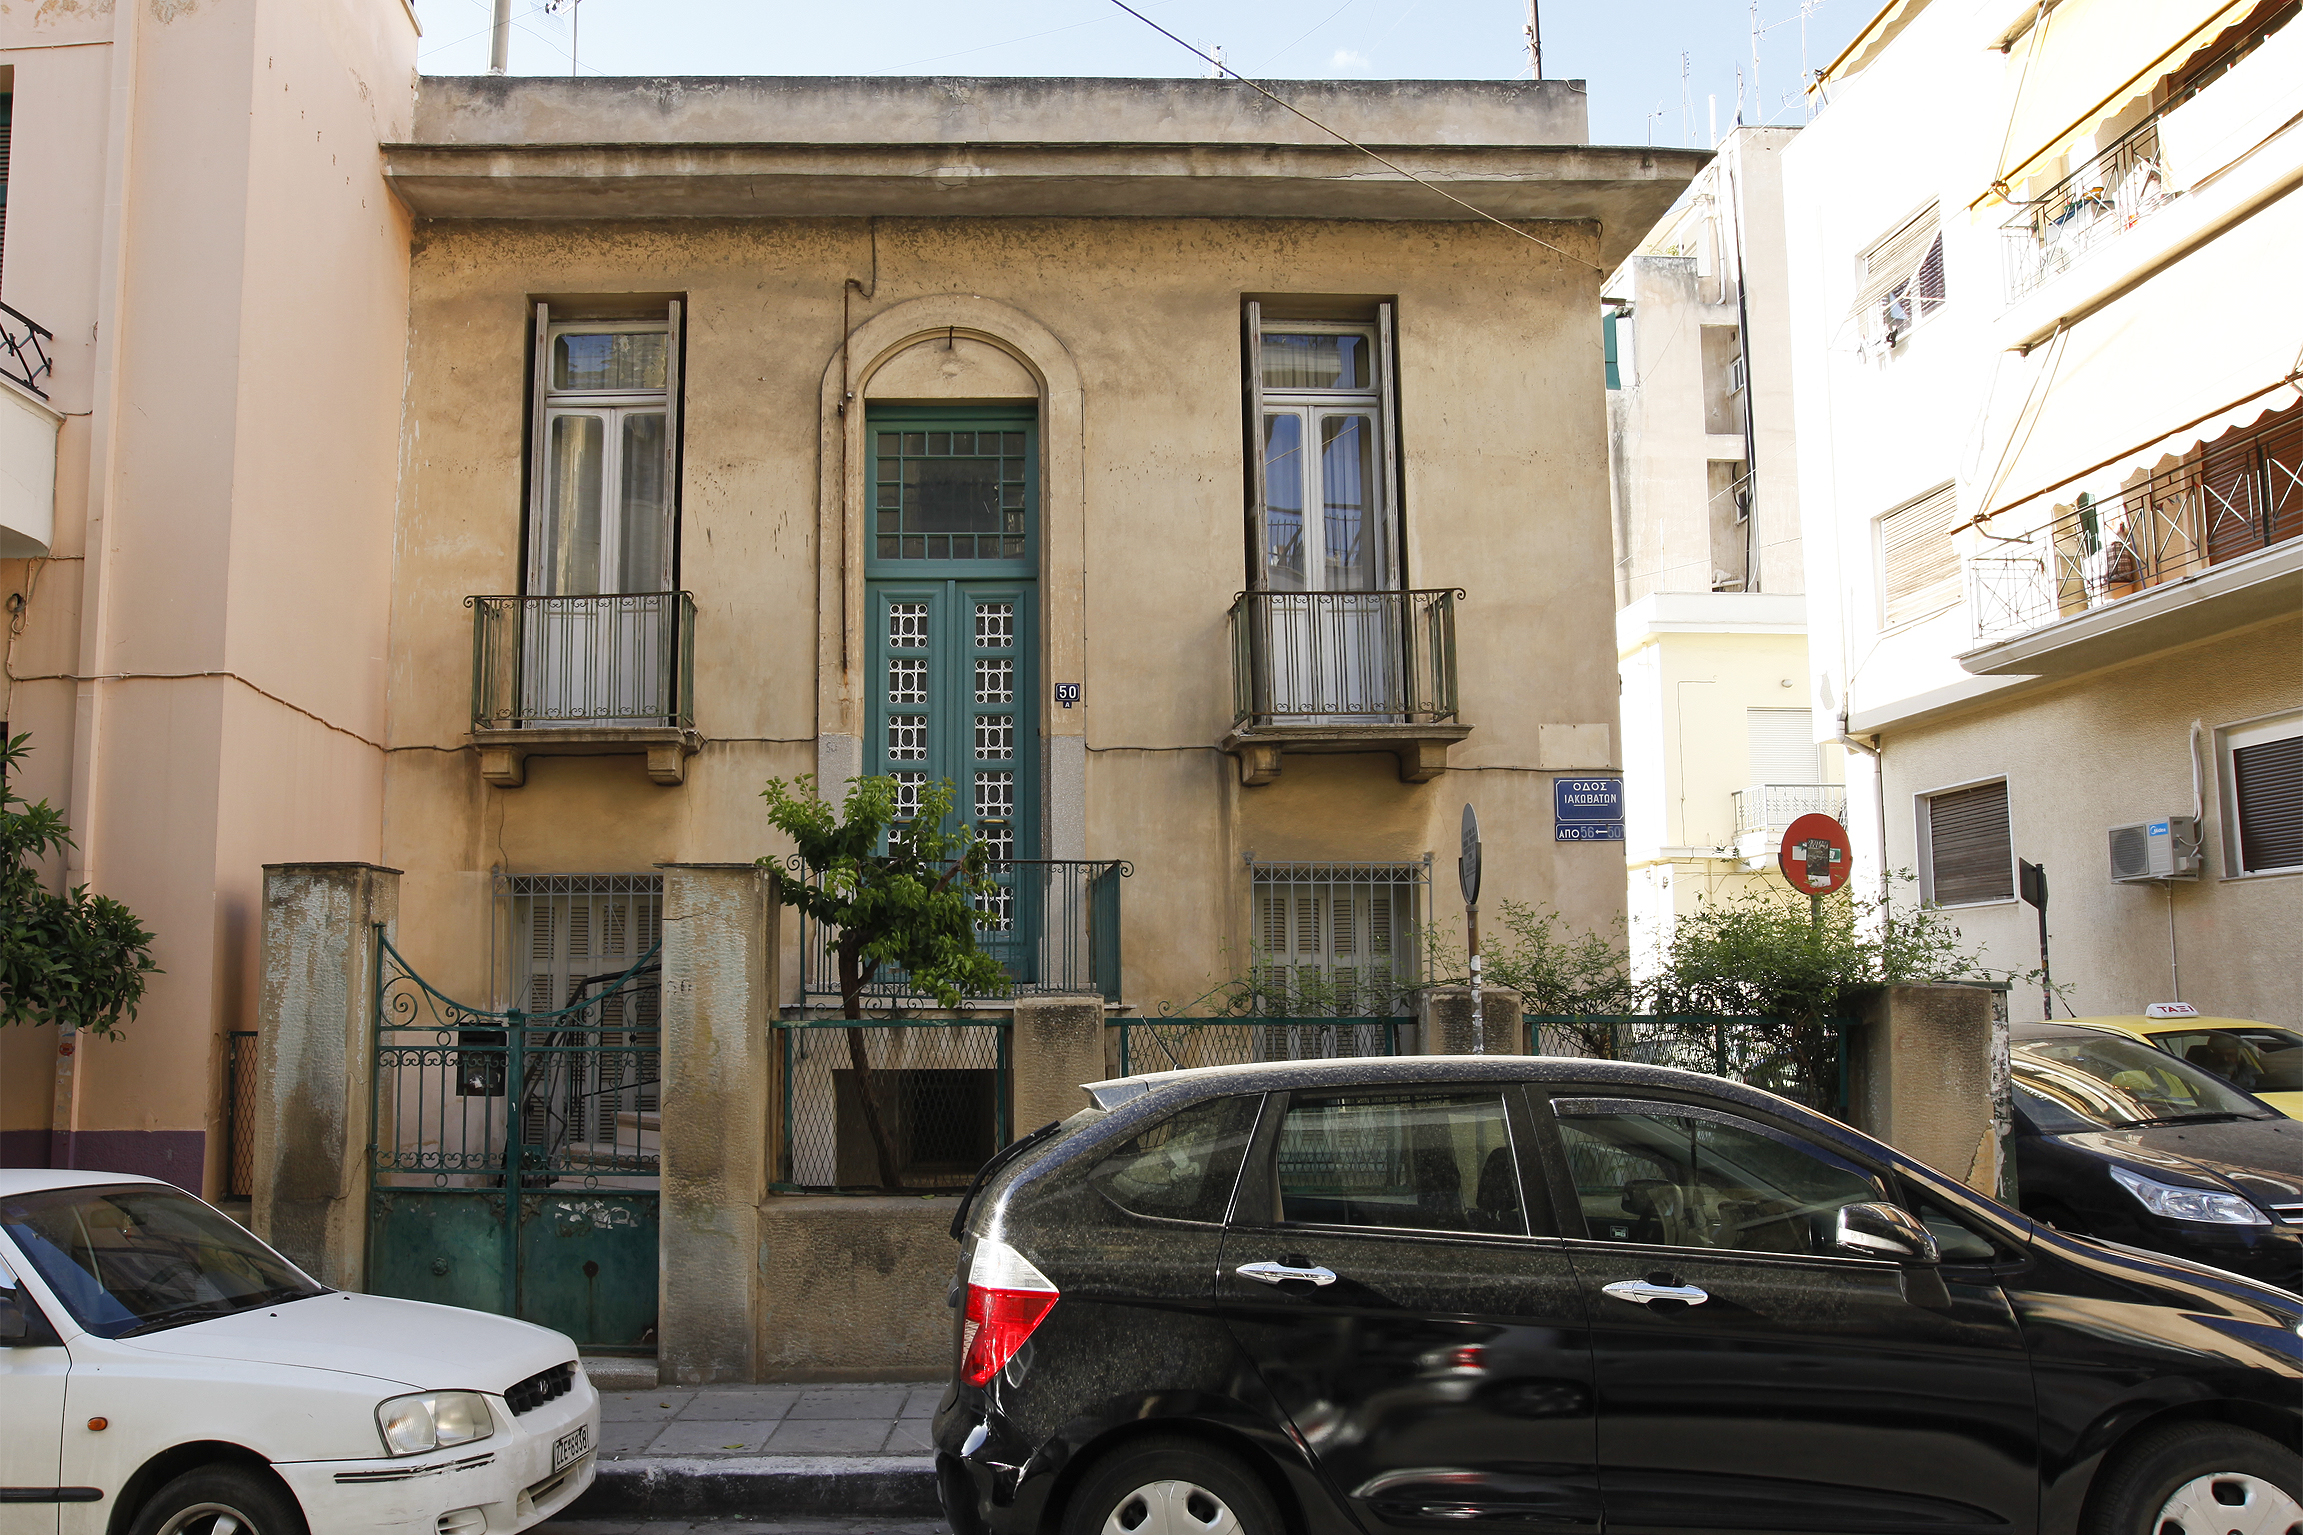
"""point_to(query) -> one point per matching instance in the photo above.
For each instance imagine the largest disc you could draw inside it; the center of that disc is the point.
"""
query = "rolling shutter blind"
(1898, 256)
(1969, 855)
(1918, 568)
(2268, 784)
(1782, 746)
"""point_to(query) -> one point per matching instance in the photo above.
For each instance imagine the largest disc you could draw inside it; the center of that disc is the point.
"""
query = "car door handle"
(1642, 1293)
(1281, 1273)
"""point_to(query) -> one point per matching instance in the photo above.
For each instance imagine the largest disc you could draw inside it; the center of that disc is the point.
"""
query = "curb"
(830, 1486)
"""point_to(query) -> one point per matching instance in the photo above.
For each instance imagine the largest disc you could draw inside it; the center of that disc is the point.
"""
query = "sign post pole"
(1467, 874)
(2032, 879)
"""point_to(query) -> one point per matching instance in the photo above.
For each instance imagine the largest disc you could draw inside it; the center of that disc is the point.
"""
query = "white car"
(162, 1372)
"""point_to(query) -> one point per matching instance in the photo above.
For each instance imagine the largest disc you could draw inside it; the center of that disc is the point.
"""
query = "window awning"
(2084, 64)
(2143, 377)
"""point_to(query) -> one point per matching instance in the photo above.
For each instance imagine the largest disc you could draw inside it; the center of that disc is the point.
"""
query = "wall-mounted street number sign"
(1587, 809)
(1067, 693)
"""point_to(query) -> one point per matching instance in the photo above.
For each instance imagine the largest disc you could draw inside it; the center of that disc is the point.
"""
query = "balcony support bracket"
(504, 754)
(1421, 750)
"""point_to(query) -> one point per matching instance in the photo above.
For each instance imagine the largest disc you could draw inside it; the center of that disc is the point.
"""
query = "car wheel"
(2201, 1479)
(220, 1500)
(1171, 1486)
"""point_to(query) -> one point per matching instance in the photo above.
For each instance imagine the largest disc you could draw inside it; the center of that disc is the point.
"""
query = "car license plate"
(571, 1446)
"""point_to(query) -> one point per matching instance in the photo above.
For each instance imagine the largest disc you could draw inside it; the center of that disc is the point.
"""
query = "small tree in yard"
(75, 960)
(910, 908)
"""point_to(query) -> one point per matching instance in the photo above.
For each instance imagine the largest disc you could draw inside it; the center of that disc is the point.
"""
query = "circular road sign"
(1467, 867)
(1816, 856)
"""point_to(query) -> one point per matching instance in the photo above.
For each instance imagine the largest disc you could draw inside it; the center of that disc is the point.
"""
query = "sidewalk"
(763, 1452)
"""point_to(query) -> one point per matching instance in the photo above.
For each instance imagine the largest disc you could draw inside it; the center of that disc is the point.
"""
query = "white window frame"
(1923, 820)
(1376, 400)
(2238, 736)
(551, 403)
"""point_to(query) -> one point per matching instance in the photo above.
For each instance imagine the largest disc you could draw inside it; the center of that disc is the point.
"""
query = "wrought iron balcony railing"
(1054, 926)
(2229, 499)
(1772, 806)
(1344, 658)
(24, 350)
(2092, 206)
(617, 661)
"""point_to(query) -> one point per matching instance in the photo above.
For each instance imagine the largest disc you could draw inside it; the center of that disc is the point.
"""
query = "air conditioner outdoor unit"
(2167, 848)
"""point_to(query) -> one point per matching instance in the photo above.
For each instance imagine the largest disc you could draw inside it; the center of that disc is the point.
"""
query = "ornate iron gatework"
(514, 1160)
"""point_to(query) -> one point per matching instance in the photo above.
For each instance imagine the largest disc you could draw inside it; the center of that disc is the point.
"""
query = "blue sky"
(1629, 51)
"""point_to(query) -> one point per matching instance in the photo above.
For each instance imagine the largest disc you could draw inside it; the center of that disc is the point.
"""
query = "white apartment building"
(1720, 748)
(2046, 347)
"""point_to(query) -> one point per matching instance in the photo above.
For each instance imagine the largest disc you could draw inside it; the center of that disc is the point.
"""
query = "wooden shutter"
(1394, 551)
(1969, 854)
(2268, 786)
(675, 351)
(540, 383)
(1918, 568)
(1782, 743)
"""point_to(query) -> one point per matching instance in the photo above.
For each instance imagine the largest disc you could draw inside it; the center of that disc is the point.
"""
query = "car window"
(1677, 1177)
(2119, 1082)
(2052, 1116)
(1422, 1161)
(1182, 1168)
(2258, 1060)
(131, 1260)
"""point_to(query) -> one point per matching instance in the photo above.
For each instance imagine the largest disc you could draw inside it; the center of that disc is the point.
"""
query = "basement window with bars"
(1337, 939)
(1918, 567)
(2263, 796)
(1970, 851)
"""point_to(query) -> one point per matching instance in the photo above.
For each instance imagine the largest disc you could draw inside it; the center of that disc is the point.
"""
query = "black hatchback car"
(1552, 1295)
(2118, 1140)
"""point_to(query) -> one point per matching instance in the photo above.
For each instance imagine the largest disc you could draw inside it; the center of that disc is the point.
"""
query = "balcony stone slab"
(504, 753)
(1421, 749)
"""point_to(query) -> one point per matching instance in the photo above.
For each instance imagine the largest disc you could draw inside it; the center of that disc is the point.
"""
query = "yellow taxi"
(2265, 1059)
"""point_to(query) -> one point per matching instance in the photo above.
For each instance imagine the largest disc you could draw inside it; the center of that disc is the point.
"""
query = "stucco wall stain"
(165, 11)
(49, 13)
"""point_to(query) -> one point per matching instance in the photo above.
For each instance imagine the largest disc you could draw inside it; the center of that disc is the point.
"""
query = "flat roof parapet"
(874, 109)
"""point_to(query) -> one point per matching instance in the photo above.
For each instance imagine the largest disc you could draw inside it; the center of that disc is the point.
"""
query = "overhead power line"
(1347, 139)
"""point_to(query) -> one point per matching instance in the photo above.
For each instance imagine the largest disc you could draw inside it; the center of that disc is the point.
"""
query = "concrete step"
(762, 1486)
(640, 1119)
(619, 1372)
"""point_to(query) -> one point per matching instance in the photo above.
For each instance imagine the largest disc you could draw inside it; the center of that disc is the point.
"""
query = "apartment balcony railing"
(1344, 671)
(590, 675)
(2224, 502)
(2092, 206)
(24, 350)
(1772, 806)
(1054, 926)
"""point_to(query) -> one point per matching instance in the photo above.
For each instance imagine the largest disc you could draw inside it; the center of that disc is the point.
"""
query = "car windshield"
(2123, 1082)
(131, 1260)
(2256, 1056)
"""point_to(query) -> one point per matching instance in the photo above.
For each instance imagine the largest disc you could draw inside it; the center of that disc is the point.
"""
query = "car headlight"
(433, 1420)
(2182, 1204)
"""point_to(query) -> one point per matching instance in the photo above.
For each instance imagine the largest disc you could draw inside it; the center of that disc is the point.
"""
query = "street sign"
(1467, 867)
(1587, 801)
(1816, 855)
(1570, 832)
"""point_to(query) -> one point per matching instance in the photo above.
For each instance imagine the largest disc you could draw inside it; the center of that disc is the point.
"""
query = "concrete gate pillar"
(1922, 1078)
(719, 995)
(1443, 1018)
(1056, 1045)
(316, 1062)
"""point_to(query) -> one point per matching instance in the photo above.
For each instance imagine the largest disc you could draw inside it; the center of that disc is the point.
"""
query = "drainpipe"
(1877, 754)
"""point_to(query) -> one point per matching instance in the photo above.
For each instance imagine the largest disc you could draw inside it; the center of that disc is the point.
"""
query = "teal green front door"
(953, 608)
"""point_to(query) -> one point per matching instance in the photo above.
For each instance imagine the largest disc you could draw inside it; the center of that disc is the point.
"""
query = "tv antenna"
(575, 27)
(1535, 37)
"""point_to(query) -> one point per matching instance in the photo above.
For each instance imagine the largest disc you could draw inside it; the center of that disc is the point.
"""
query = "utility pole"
(1535, 37)
(500, 39)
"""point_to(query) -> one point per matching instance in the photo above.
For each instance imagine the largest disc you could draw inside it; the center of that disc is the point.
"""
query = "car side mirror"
(1885, 1231)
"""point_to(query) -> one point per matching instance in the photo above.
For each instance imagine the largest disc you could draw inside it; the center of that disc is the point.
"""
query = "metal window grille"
(937, 1091)
(1174, 1044)
(1336, 939)
(570, 937)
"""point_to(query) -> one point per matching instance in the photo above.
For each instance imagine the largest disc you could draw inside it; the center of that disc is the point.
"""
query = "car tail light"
(1007, 1298)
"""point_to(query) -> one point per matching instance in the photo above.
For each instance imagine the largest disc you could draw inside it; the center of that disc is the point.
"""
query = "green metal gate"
(514, 1165)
